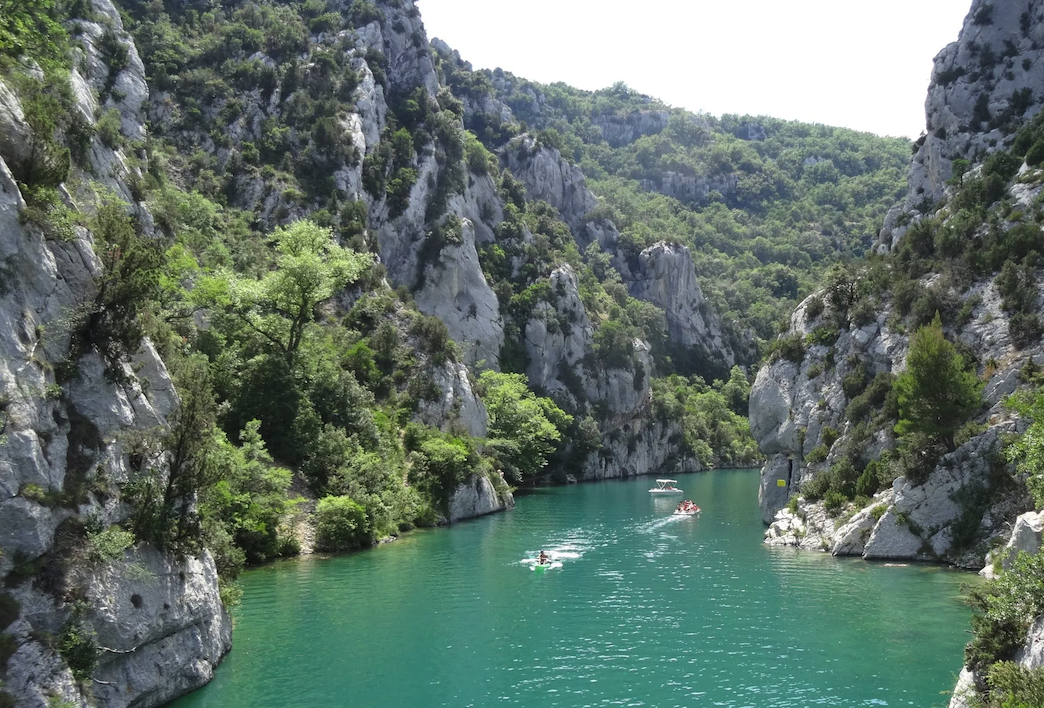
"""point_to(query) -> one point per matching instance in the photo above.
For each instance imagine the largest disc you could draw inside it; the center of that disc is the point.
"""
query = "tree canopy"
(937, 393)
(523, 428)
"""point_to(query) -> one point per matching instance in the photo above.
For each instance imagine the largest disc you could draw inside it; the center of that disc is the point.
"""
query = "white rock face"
(624, 130)
(60, 436)
(964, 695)
(997, 53)
(15, 133)
(666, 277)
(773, 496)
(1025, 538)
(170, 616)
(457, 402)
(456, 291)
(643, 445)
(477, 497)
(406, 48)
(558, 335)
(792, 404)
(549, 177)
(690, 188)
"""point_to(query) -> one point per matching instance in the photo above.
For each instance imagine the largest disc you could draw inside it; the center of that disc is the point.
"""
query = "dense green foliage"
(937, 393)
(340, 524)
(523, 429)
(713, 418)
(1005, 608)
(1013, 686)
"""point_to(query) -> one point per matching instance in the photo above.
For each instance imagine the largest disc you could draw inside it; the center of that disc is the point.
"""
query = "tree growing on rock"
(937, 393)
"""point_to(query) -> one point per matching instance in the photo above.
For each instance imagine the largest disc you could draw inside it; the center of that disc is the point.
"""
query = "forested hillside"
(765, 205)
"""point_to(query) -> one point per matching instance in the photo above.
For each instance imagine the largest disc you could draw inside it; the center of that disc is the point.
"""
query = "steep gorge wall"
(64, 449)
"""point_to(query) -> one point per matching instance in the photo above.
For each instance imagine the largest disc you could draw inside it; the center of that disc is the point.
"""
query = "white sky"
(862, 64)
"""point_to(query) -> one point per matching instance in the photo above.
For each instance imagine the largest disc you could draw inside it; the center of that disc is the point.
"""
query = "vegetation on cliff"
(766, 205)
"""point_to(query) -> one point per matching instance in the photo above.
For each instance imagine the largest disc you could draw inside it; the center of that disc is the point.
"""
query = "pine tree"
(936, 392)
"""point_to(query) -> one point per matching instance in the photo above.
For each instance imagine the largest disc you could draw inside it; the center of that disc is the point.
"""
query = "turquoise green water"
(648, 609)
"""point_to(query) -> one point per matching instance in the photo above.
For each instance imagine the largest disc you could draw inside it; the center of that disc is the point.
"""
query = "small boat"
(666, 486)
(687, 508)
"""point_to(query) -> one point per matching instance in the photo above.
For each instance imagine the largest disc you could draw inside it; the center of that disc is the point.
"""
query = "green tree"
(310, 267)
(523, 428)
(248, 494)
(163, 493)
(936, 393)
(340, 525)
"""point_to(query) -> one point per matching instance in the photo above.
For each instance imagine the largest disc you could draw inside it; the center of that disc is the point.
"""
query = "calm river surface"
(648, 609)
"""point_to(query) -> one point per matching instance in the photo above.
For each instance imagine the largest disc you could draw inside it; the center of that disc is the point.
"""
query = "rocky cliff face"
(64, 443)
(623, 130)
(982, 84)
(797, 407)
(666, 277)
(976, 103)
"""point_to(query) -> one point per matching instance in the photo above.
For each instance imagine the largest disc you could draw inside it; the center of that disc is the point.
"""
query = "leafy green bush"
(817, 454)
(833, 502)
(1035, 154)
(824, 335)
(814, 489)
(1005, 606)
(78, 646)
(814, 308)
(1013, 686)
(109, 545)
(340, 525)
(855, 381)
(791, 348)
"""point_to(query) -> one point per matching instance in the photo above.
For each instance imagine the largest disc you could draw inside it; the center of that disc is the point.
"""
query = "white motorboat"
(666, 486)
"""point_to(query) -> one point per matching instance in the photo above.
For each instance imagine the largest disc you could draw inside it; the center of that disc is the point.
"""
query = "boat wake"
(652, 526)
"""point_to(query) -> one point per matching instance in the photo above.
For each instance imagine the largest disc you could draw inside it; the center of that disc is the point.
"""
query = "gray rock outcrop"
(548, 177)
(456, 291)
(1025, 538)
(976, 91)
(690, 188)
(620, 130)
(477, 497)
(793, 404)
(666, 277)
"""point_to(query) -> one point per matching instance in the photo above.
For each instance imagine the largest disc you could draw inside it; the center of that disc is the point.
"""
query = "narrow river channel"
(647, 609)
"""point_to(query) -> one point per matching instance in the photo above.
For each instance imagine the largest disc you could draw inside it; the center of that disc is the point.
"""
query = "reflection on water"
(647, 609)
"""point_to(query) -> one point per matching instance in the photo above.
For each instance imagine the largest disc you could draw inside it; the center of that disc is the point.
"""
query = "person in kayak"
(543, 559)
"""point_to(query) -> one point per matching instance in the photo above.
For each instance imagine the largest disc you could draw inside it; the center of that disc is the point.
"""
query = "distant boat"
(666, 486)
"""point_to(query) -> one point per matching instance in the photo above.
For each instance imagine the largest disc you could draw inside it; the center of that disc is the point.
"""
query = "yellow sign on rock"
(781, 482)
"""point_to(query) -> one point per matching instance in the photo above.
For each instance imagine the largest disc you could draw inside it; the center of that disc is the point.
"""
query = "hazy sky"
(861, 64)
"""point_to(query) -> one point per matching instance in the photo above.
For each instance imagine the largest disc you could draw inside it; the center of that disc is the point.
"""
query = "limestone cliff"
(982, 86)
(65, 437)
(806, 422)
(803, 411)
